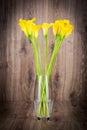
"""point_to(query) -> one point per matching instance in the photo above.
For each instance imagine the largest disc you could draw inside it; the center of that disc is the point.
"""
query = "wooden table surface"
(21, 116)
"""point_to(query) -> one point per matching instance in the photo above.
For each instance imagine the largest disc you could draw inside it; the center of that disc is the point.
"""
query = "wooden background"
(17, 70)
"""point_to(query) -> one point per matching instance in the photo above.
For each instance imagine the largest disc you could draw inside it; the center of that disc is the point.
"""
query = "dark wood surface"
(17, 69)
(21, 116)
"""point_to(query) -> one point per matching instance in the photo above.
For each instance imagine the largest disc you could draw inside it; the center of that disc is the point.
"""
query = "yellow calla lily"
(55, 27)
(26, 26)
(35, 30)
(62, 27)
(45, 27)
(66, 30)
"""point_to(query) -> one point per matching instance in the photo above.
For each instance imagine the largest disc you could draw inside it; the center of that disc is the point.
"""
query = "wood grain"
(21, 116)
(17, 69)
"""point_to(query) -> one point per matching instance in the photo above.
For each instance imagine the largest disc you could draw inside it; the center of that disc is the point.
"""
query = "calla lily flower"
(26, 26)
(66, 29)
(35, 30)
(45, 27)
(62, 27)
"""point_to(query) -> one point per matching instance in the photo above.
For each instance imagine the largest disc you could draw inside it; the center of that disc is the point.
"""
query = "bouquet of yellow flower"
(61, 29)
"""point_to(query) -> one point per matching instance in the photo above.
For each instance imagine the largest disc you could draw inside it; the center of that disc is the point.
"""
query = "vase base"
(50, 106)
(39, 118)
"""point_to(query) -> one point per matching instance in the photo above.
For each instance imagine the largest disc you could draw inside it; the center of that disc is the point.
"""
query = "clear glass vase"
(43, 102)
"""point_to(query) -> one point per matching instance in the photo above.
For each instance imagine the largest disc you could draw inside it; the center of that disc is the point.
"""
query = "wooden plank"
(20, 115)
(17, 66)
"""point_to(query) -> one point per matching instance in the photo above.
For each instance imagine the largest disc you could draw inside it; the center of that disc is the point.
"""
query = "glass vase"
(43, 102)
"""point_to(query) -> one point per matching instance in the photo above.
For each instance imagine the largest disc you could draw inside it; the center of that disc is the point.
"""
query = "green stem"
(35, 56)
(57, 45)
(39, 56)
(46, 53)
(43, 109)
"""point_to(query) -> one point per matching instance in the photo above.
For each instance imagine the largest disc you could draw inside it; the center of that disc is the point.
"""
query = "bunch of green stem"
(43, 108)
(57, 44)
(37, 55)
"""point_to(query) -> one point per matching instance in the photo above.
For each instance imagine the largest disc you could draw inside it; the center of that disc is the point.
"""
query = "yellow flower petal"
(62, 27)
(26, 26)
(55, 28)
(45, 27)
(35, 30)
(66, 29)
